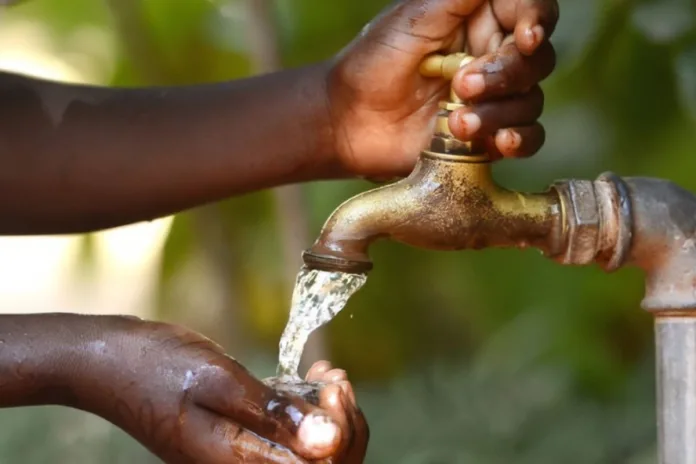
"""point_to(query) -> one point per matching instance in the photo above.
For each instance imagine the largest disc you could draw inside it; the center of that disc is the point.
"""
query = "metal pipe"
(675, 339)
(664, 246)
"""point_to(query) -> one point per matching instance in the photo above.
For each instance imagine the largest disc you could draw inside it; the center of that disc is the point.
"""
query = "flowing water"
(317, 298)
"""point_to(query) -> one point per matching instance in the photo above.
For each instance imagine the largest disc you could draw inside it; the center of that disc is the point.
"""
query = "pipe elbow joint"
(644, 222)
(664, 242)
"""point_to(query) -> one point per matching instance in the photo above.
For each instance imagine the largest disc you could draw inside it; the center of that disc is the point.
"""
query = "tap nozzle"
(449, 202)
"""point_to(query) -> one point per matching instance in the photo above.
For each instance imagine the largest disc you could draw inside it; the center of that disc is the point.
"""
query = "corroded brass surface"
(449, 202)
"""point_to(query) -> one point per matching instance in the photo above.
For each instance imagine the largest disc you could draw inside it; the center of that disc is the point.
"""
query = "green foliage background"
(477, 357)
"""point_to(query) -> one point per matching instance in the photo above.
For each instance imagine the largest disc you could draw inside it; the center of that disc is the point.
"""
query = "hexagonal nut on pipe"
(582, 220)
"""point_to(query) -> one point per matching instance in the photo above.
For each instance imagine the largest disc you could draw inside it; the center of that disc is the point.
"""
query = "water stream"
(318, 297)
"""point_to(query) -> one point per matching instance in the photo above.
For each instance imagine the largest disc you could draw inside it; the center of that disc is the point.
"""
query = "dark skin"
(173, 390)
(83, 159)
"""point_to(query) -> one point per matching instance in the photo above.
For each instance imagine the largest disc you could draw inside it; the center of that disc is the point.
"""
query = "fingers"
(231, 391)
(484, 34)
(336, 399)
(505, 72)
(339, 378)
(509, 124)
(333, 400)
(532, 21)
(520, 141)
(486, 118)
(214, 439)
(317, 371)
(323, 371)
(508, 142)
(361, 433)
(516, 142)
(506, 100)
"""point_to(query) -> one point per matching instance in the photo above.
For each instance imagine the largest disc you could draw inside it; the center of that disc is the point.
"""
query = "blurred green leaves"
(686, 77)
(664, 21)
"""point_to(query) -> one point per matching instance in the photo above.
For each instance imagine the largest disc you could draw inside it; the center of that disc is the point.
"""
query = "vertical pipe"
(675, 343)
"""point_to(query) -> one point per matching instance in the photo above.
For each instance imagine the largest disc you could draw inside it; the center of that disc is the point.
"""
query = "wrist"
(321, 129)
(96, 360)
(42, 357)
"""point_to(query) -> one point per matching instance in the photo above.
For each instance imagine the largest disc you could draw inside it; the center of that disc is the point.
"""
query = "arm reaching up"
(78, 158)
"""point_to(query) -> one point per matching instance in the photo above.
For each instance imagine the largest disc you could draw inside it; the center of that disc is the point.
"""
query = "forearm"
(39, 358)
(76, 159)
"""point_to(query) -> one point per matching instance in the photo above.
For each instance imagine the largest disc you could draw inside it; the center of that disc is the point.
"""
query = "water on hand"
(317, 298)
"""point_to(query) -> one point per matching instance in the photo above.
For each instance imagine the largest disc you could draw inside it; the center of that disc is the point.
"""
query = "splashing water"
(317, 298)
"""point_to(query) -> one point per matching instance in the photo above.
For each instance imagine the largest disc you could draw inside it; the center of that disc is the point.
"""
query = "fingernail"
(511, 141)
(474, 84)
(339, 375)
(321, 367)
(535, 35)
(319, 433)
(471, 123)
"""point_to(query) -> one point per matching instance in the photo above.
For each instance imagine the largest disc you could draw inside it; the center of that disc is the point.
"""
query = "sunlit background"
(475, 357)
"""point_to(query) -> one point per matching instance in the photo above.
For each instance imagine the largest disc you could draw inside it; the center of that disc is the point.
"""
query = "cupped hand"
(179, 395)
(383, 110)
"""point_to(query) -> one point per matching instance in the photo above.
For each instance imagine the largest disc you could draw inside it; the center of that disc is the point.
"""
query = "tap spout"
(449, 202)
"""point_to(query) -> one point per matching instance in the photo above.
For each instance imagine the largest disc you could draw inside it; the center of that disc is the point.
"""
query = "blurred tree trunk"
(214, 243)
(292, 214)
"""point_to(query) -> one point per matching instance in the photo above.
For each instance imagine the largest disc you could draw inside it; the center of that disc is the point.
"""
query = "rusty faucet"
(451, 202)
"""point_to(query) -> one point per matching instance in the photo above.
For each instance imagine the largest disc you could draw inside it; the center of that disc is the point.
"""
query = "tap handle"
(445, 66)
(443, 141)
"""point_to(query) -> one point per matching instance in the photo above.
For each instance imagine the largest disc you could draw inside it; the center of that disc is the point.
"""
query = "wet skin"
(174, 391)
(87, 158)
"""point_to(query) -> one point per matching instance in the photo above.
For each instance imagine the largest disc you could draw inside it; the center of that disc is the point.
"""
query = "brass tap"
(449, 202)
